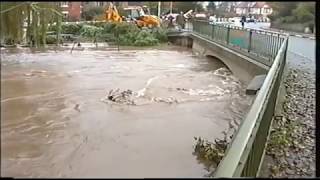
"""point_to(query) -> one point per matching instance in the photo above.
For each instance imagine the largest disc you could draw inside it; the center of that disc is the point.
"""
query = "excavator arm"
(144, 20)
(112, 14)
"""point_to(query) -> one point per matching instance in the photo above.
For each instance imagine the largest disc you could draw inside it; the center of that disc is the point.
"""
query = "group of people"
(180, 20)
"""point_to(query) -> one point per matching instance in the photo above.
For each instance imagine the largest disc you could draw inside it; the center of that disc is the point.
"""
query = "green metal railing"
(244, 155)
(259, 44)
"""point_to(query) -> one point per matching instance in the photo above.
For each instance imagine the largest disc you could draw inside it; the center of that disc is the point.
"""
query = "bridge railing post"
(250, 40)
(228, 34)
(212, 33)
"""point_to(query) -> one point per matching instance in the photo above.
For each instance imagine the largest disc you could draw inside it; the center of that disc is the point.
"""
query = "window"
(65, 12)
(64, 4)
(135, 13)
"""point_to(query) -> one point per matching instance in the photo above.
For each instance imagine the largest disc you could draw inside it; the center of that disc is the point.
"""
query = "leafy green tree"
(282, 9)
(304, 12)
(293, 12)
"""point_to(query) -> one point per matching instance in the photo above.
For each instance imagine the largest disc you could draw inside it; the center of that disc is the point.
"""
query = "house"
(71, 10)
(256, 9)
(243, 8)
(260, 8)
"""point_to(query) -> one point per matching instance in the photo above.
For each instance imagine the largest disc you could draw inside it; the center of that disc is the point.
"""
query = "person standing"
(243, 20)
(170, 24)
(181, 20)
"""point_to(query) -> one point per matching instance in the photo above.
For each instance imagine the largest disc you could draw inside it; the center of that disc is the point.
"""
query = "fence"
(245, 153)
(259, 44)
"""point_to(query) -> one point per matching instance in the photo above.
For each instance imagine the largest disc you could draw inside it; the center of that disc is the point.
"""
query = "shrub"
(289, 19)
(109, 27)
(145, 38)
(9, 41)
(97, 24)
(127, 33)
(90, 31)
(90, 12)
(67, 28)
(52, 39)
(124, 28)
(160, 34)
(107, 37)
(71, 28)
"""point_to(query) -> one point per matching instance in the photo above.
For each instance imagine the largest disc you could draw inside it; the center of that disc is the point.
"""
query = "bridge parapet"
(244, 155)
(258, 44)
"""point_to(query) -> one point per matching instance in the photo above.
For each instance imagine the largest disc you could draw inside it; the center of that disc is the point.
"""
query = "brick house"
(259, 10)
(71, 10)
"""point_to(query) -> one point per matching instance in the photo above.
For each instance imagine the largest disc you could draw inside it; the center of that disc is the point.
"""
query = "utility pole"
(171, 7)
(159, 9)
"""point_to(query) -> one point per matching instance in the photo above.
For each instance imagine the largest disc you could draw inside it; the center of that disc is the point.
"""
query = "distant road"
(304, 47)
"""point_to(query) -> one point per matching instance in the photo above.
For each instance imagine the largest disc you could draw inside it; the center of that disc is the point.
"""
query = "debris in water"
(122, 97)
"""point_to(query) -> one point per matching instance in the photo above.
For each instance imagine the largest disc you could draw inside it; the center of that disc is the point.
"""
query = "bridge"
(248, 53)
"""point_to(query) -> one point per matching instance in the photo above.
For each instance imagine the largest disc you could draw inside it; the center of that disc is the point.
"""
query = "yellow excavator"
(132, 14)
(112, 14)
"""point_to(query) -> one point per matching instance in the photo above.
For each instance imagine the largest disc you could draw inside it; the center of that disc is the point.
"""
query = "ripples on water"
(53, 123)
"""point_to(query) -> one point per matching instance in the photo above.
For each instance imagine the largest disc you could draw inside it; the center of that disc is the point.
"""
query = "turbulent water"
(56, 121)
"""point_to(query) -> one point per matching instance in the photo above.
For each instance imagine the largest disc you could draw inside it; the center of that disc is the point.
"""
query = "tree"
(282, 9)
(293, 12)
(305, 12)
(224, 9)
(90, 12)
(211, 7)
(36, 15)
(153, 6)
(186, 6)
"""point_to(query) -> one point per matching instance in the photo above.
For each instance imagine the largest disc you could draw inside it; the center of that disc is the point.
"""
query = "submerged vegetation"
(210, 153)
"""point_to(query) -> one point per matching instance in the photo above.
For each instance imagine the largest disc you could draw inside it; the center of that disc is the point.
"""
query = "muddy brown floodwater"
(54, 123)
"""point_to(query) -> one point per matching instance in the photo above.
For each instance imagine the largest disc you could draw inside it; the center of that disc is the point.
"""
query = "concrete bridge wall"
(241, 66)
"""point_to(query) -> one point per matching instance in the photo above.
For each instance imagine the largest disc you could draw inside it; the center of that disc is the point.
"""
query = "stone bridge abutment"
(240, 65)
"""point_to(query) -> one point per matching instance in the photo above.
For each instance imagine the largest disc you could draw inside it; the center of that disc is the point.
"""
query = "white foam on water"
(141, 92)
(179, 66)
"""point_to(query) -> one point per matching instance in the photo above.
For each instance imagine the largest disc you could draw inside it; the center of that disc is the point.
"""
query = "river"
(55, 123)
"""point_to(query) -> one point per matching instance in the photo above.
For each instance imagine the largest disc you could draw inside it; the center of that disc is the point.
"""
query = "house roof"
(260, 5)
(243, 5)
(252, 5)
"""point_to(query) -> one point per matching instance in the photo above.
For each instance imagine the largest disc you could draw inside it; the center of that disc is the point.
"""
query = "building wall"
(255, 11)
(75, 10)
(71, 10)
(64, 8)
(241, 11)
(266, 11)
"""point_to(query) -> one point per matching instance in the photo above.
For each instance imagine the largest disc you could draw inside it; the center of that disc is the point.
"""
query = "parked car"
(250, 20)
(212, 19)
(201, 16)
